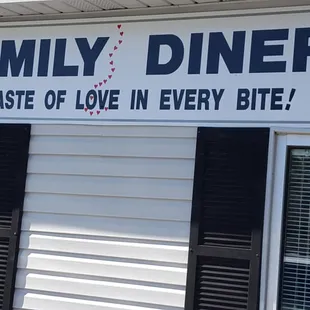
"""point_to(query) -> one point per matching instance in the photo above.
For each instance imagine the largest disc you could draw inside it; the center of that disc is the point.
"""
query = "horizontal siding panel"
(111, 166)
(34, 301)
(130, 250)
(102, 268)
(118, 147)
(109, 227)
(114, 131)
(109, 186)
(106, 218)
(155, 209)
(100, 289)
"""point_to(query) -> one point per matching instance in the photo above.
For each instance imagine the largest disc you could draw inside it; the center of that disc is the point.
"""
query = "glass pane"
(295, 278)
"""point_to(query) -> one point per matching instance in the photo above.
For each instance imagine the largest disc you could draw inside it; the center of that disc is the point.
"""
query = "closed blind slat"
(295, 290)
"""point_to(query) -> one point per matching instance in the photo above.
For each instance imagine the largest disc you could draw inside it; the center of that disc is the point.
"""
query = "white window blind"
(295, 277)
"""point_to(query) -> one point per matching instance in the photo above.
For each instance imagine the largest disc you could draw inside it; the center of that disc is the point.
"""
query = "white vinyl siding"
(106, 218)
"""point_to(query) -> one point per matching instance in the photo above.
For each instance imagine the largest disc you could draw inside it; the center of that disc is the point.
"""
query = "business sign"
(238, 69)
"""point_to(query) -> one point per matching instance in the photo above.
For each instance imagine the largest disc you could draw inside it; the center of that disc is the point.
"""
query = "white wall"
(106, 221)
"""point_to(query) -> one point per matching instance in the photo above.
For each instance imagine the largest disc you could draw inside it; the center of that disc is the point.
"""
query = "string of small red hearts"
(112, 68)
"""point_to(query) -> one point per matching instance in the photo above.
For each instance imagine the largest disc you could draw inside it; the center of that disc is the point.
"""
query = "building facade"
(155, 158)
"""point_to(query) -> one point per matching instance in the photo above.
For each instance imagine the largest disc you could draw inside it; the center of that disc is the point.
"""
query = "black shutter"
(14, 144)
(227, 219)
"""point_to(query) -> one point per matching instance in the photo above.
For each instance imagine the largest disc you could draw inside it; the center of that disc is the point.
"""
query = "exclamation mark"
(292, 94)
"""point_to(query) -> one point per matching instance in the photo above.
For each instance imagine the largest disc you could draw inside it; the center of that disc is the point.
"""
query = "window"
(287, 239)
(227, 219)
(295, 271)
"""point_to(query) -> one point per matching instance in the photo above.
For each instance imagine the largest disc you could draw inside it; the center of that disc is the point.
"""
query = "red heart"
(119, 26)
(91, 113)
(100, 83)
(111, 63)
(91, 97)
(96, 85)
(113, 69)
(122, 33)
(115, 48)
(98, 112)
(106, 109)
(110, 77)
(111, 54)
(120, 41)
(105, 81)
(85, 109)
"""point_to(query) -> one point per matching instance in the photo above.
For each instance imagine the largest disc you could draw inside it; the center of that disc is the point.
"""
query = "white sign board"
(238, 69)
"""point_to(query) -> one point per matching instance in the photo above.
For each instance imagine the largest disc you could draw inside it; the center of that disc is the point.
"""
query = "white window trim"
(280, 140)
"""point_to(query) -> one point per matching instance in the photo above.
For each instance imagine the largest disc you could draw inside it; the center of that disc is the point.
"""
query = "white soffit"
(14, 10)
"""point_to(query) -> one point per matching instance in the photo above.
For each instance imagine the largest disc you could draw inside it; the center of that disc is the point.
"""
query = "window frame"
(281, 143)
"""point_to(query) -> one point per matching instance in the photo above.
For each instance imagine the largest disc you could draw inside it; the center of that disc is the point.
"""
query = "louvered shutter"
(14, 144)
(227, 219)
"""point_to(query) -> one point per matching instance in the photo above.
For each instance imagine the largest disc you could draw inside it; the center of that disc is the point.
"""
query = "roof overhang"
(35, 10)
